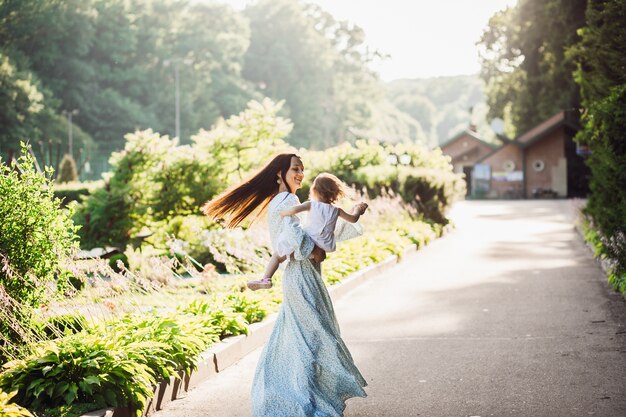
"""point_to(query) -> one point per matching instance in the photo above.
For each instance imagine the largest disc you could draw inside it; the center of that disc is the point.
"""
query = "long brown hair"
(240, 201)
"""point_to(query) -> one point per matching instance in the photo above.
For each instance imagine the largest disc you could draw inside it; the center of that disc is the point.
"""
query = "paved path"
(508, 315)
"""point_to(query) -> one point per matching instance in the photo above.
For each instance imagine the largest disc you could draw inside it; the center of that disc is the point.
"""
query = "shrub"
(179, 337)
(604, 133)
(251, 309)
(37, 236)
(8, 409)
(426, 180)
(122, 207)
(81, 368)
(67, 170)
(433, 191)
(222, 317)
(154, 180)
(63, 325)
(115, 363)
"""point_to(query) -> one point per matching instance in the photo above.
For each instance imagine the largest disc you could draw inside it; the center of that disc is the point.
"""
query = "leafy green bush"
(224, 318)
(8, 409)
(251, 309)
(82, 368)
(179, 337)
(112, 214)
(433, 191)
(604, 133)
(37, 236)
(154, 180)
(425, 179)
(63, 325)
(115, 363)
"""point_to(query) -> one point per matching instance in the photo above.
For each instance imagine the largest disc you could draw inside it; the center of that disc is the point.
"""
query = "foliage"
(604, 132)
(525, 64)
(234, 147)
(81, 367)
(600, 54)
(112, 214)
(251, 309)
(601, 75)
(73, 410)
(8, 409)
(322, 73)
(180, 339)
(72, 191)
(441, 106)
(37, 235)
(63, 325)
(155, 180)
(426, 181)
(21, 100)
(116, 363)
(118, 257)
(67, 172)
(104, 58)
(222, 317)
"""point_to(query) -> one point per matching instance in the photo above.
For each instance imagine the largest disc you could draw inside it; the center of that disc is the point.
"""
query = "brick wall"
(505, 189)
(551, 151)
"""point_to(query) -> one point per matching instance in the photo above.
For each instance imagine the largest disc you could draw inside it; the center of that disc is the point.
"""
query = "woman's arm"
(296, 209)
(292, 239)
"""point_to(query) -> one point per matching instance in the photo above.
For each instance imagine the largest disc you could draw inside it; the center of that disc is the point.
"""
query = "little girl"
(321, 221)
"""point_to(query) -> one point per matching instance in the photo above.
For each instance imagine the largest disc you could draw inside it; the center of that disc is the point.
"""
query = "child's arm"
(296, 209)
(353, 217)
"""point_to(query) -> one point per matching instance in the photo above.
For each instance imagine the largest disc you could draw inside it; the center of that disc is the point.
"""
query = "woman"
(305, 369)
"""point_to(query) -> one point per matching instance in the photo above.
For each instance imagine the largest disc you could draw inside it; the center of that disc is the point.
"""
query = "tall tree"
(524, 60)
(318, 65)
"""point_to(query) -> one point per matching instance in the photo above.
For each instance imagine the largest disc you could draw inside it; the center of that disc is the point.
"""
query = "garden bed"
(217, 358)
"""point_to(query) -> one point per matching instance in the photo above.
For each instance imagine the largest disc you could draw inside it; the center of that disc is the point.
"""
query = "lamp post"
(176, 63)
(69, 114)
(395, 160)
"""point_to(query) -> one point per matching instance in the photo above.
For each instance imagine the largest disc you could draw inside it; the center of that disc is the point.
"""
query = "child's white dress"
(324, 227)
(320, 225)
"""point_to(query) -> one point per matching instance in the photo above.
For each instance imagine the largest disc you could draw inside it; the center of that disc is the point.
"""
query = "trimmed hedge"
(72, 191)
(604, 133)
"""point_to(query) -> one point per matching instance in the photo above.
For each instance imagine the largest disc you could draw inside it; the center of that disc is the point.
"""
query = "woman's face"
(295, 174)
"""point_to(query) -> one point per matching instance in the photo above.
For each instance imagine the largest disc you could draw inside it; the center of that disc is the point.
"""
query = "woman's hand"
(318, 254)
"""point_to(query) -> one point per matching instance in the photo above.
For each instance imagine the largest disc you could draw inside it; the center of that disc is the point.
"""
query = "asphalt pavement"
(508, 315)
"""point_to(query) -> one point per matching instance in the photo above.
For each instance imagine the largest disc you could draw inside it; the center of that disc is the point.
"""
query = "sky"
(424, 38)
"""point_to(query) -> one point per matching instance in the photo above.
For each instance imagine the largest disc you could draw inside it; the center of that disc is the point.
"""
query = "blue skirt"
(305, 369)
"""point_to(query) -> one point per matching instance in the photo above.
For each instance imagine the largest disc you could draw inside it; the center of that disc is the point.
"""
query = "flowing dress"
(305, 369)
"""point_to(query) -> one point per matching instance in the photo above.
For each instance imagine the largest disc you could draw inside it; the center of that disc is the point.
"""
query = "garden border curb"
(230, 350)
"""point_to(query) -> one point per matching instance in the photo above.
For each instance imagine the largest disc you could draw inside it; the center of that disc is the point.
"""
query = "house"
(465, 149)
(542, 162)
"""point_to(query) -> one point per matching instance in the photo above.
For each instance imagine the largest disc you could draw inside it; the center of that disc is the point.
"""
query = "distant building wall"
(546, 166)
(506, 172)
(465, 151)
